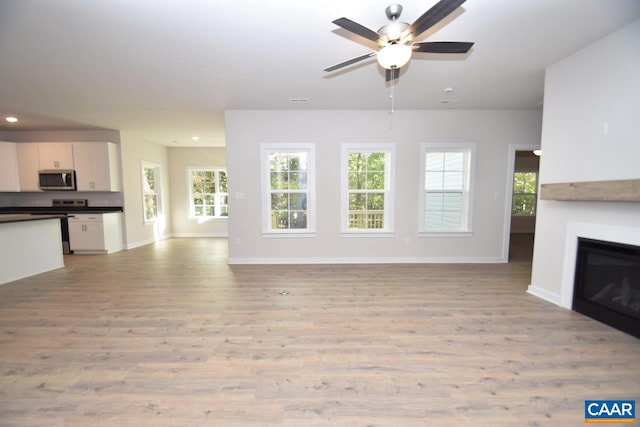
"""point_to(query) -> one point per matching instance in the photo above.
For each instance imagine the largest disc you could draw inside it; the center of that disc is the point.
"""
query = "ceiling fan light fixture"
(394, 56)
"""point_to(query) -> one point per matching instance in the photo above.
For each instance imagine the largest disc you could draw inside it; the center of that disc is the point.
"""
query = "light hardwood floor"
(170, 335)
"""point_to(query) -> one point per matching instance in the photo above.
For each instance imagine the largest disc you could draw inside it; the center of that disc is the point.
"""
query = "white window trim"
(192, 216)
(535, 194)
(389, 204)
(158, 181)
(466, 231)
(265, 150)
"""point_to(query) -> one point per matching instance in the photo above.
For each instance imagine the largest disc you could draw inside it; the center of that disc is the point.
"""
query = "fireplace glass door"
(607, 283)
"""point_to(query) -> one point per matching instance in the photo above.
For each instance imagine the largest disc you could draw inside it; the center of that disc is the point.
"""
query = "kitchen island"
(29, 245)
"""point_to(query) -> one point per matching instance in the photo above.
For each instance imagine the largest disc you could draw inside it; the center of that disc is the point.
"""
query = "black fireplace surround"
(607, 283)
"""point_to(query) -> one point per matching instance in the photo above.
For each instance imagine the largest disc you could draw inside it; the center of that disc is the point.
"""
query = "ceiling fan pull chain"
(392, 87)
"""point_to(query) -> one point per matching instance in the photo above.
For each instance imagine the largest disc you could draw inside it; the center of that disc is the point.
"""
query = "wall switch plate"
(603, 129)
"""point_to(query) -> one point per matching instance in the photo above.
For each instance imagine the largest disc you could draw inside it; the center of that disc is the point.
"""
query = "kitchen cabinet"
(28, 165)
(96, 165)
(95, 233)
(55, 155)
(9, 170)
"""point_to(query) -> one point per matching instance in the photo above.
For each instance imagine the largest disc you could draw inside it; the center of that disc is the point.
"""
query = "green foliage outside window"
(150, 194)
(366, 176)
(525, 185)
(209, 193)
(288, 180)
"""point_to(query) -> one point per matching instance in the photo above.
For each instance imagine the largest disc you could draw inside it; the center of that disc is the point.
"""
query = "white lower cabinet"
(95, 233)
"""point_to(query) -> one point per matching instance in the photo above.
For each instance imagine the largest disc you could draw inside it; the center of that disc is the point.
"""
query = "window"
(288, 188)
(208, 197)
(367, 182)
(525, 186)
(446, 188)
(151, 191)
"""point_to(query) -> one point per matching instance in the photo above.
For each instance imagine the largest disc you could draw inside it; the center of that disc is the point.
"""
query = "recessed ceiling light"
(195, 138)
(11, 119)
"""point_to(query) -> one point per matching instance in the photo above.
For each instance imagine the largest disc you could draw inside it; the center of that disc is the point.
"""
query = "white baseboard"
(544, 294)
(146, 242)
(190, 235)
(349, 260)
(169, 236)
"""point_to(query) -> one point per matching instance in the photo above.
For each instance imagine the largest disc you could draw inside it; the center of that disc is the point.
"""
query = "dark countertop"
(57, 210)
(5, 219)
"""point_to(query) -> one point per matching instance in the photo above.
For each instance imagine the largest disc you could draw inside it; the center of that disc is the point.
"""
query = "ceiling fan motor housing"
(394, 31)
(393, 11)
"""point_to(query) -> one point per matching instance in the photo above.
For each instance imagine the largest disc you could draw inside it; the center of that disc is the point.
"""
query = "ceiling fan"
(396, 39)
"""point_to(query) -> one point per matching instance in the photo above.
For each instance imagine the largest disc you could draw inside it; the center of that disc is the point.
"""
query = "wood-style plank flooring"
(170, 335)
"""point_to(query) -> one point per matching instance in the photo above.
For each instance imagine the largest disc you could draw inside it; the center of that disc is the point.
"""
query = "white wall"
(597, 85)
(135, 150)
(179, 160)
(492, 131)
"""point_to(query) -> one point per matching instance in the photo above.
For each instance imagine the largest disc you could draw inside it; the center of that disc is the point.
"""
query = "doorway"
(520, 209)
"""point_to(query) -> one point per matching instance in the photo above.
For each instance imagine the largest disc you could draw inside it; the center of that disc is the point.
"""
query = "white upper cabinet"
(55, 155)
(97, 166)
(9, 170)
(28, 166)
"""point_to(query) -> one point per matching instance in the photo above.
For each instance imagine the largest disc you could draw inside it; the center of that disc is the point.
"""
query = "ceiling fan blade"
(434, 15)
(350, 61)
(358, 29)
(393, 74)
(443, 47)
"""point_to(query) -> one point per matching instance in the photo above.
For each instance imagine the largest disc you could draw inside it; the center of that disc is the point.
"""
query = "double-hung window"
(446, 188)
(288, 189)
(208, 197)
(525, 185)
(151, 191)
(367, 182)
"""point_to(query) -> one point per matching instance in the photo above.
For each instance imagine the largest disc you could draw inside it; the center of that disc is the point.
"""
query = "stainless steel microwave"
(57, 180)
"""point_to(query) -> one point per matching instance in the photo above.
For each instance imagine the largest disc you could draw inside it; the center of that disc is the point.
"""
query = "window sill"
(367, 234)
(445, 234)
(289, 235)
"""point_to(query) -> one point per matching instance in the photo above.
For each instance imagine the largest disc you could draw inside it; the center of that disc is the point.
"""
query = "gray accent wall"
(492, 131)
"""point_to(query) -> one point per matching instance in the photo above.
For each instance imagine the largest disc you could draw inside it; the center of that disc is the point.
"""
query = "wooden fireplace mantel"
(625, 190)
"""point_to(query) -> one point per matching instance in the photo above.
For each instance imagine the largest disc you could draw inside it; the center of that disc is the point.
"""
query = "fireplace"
(607, 283)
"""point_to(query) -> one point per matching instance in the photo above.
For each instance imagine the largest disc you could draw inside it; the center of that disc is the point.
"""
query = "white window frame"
(218, 195)
(158, 184)
(390, 151)
(467, 192)
(266, 149)
(534, 194)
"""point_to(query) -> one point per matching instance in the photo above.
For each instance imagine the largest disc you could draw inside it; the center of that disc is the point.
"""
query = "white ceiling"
(166, 70)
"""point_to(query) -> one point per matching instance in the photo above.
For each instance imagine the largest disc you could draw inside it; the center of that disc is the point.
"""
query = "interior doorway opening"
(521, 203)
